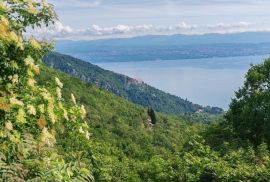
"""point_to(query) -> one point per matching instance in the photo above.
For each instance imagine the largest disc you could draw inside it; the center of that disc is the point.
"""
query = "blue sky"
(93, 19)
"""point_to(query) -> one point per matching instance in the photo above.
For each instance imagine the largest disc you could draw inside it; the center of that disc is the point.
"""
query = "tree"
(40, 137)
(152, 115)
(249, 113)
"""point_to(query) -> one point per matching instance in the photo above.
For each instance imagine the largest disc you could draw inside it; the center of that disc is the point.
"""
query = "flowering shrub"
(37, 130)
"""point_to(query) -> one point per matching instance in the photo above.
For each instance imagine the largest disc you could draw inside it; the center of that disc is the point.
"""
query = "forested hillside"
(129, 88)
(125, 146)
(124, 139)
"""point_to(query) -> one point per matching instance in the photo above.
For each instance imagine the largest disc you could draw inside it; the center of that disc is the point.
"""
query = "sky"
(96, 19)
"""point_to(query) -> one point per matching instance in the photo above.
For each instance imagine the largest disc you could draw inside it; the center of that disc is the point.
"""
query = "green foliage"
(35, 125)
(249, 112)
(124, 142)
(126, 148)
(204, 164)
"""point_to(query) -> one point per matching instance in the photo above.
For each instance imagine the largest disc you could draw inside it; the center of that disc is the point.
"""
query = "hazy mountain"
(176, 40)
(162, 47)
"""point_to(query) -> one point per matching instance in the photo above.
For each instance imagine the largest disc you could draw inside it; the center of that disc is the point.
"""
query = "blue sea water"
(208, 81)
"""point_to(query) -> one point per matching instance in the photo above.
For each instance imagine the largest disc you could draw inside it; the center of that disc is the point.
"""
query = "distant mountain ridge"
(179, 39)
(129, 88)
(170, 47)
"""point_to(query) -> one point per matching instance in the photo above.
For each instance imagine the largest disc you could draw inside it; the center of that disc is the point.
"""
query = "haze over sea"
(208, 81)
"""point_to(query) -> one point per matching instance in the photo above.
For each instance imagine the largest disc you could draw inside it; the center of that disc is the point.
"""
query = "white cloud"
(60, 31)
(235, 25)
(55, 31)
(231, 28)
(184, 25)
(59, 27)
(119, 29)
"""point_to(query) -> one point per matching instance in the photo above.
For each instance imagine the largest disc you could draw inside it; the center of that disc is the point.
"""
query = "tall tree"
(152, 115)
(249, 112)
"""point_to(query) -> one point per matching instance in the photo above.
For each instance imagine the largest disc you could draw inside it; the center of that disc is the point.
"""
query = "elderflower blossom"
(47, 137)
(15, 138)
(83, 112)
(14, 78)
(20, 43)
(41, 108)
(60, 105)
(51, 113)
(2, 134)
(31, 110)
(58, 93)
(34, 43)
(87, 135)
(85, 125)
(29, 61)
(43, 3)
(14, 101)
(4, 28)
(4, 21)
(65, 114)
(73, 99)
(31, 8)
(36, 69)
(31, 82)
(58, 82)
(46, 96)
(9, 126)
(21, 116)
(14, 37)
(81, 130)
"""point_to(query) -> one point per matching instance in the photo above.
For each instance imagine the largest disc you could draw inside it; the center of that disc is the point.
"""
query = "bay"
(208, 81)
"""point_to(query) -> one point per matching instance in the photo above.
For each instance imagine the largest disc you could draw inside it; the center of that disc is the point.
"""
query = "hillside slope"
(123, 141)
(124, 147)
(126, 87)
